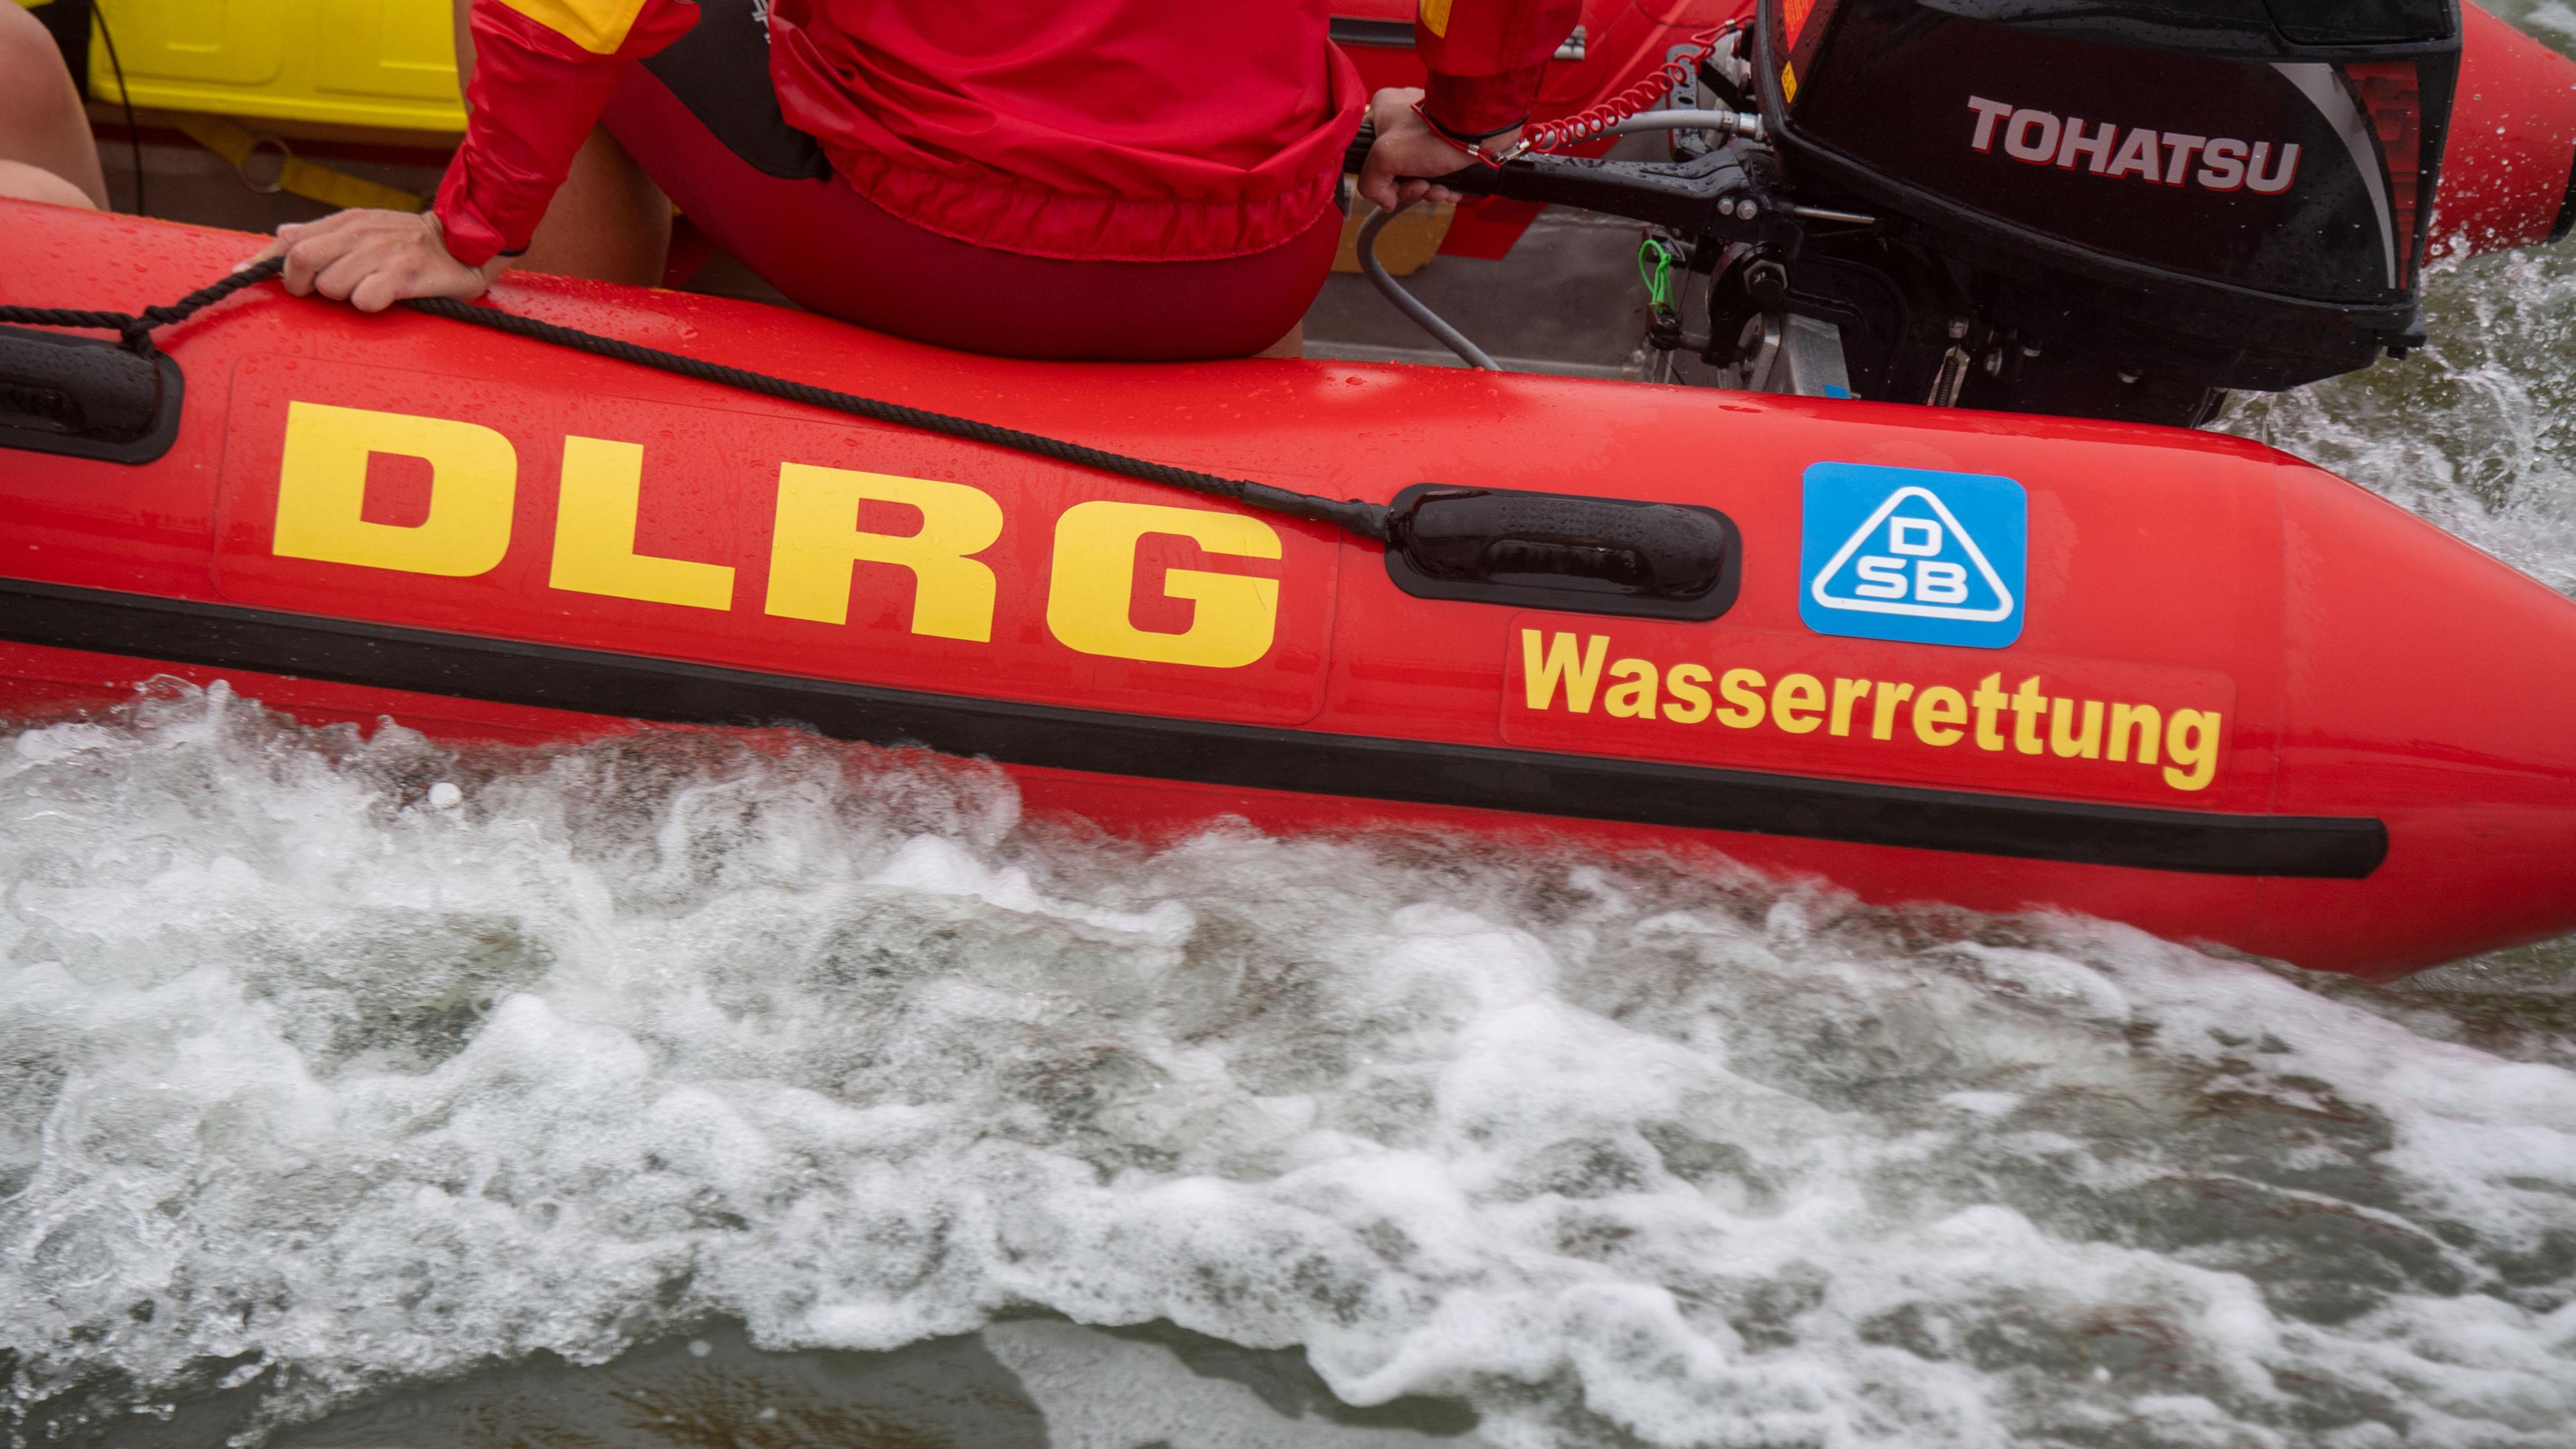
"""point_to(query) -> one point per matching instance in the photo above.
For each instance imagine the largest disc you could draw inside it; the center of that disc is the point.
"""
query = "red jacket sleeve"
(543, 72)
(1486, 57)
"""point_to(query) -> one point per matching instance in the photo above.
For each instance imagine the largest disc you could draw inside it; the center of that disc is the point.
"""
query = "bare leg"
(608, 221)
(46, 153)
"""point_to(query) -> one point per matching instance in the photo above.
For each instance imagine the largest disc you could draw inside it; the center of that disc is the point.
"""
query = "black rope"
(1368, 520)
(135, 329)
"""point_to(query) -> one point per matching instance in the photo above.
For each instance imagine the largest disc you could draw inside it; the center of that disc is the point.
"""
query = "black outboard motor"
(2109, 208)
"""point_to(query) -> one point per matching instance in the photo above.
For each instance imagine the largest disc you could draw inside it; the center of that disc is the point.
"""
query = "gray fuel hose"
(1407, 303)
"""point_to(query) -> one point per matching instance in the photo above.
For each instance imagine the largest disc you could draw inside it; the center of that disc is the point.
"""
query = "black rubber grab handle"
(1648, 548)
(87, 398)
(1564, 551)
(76, 387)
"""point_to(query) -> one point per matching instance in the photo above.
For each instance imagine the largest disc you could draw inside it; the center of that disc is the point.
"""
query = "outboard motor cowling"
(2116, 209)
(2110, 207)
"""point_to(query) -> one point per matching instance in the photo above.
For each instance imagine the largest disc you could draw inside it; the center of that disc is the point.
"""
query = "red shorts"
(702, 121)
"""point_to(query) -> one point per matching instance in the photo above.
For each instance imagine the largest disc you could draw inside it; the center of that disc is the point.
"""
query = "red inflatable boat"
(1930, 654)
(2247, 702)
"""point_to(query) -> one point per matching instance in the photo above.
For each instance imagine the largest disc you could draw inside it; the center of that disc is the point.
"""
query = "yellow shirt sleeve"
(597, 26)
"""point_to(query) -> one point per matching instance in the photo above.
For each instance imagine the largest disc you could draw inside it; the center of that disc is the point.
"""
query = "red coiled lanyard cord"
(1676, 72)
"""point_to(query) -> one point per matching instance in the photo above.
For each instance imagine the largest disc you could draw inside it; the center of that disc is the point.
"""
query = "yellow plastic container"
(383, 63)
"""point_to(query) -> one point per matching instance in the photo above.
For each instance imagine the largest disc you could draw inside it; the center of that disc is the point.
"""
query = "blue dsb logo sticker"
(1914, 556)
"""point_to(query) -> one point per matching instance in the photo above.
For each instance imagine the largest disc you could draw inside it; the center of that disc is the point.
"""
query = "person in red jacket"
(1107, 179)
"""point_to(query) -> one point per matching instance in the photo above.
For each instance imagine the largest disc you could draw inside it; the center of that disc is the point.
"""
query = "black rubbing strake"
(1362, 767)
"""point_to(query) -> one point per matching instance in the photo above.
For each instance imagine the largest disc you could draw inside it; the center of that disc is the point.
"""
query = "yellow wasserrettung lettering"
(1560, 672)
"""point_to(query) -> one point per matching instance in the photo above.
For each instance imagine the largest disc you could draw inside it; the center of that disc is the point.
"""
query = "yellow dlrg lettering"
(1580, 674)
(818, 541)
(603, 484)
(1234, 616)
(322, 491)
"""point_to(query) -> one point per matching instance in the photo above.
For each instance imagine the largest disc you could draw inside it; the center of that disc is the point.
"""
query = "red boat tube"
(2509, 167)
(2001, 662)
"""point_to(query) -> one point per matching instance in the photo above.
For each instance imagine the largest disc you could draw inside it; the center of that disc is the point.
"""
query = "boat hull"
(2288, 718)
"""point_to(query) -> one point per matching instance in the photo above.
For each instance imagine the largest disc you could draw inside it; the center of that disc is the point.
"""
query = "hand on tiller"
(1407, 147)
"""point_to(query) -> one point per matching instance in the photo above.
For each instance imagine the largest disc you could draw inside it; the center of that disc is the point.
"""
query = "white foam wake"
(321, 1074)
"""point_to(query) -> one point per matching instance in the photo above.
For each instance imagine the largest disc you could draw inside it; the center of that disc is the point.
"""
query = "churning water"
(705, 1089)
(334, 1065)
